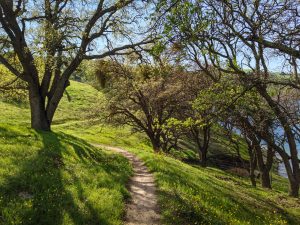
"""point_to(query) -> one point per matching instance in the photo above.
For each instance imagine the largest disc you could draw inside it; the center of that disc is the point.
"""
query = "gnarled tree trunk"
(264, 163)
(265, 178)
(294, 168)
(294, 184)
(39, 120)
(42, 112)
(155, 140)
(264, 167)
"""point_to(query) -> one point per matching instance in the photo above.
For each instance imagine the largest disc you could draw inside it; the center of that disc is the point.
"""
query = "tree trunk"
(265, 179)
(42, 114)
(202, 148)
(283, 118)
(253, 163)
(294, 184)
(263, 167)
(292, 175)
(156, 148)
(294, 189)
(203, 157)
(252, 177)
(39, 120)
(155, 144)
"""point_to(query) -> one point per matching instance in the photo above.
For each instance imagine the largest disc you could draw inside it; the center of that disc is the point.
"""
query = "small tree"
(197, 117)
(146, 100)
(199, 131)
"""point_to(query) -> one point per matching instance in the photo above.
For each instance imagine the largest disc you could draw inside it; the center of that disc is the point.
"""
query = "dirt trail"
(143, 208)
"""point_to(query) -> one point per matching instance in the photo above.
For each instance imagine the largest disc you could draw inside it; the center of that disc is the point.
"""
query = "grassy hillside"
(83, 102)
(45, 174)
(54, 178)
(75, 105)
(194, 195)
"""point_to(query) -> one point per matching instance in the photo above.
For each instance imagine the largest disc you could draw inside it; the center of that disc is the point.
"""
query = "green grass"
(54, 178)
(194, 195)
(85, 101)
(32, 164)
(12, 114)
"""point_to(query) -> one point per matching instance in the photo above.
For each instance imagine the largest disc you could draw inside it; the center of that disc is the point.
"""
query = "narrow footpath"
(142, 208)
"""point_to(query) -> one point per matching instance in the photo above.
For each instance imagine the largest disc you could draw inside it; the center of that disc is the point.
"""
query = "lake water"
(281, 167)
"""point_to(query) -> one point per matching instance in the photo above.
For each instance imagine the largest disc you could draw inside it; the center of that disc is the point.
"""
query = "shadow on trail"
(37, 193)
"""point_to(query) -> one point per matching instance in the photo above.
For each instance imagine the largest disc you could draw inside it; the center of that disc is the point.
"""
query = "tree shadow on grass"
(37, 193)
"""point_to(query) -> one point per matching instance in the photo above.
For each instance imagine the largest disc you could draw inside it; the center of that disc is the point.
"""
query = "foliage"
(236, 40)
(146, 98)
(11, 89)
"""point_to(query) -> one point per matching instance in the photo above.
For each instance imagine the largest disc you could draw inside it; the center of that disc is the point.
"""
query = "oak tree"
(61, 34)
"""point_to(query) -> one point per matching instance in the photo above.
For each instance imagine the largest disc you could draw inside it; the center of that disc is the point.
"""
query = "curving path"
(143, 208)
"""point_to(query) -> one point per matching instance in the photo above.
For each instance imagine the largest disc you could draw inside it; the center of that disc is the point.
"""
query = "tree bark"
(202, 147)
(290, 139)
(203, 157)
(55, 99)
(252, 174)
(39, 120)
(294, 189)
(294, 184)
(252, 161)
(41, 113)
(265, 178)
(264, 167)
(155, 144)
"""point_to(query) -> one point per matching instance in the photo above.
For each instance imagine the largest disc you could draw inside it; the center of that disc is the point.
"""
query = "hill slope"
(41, 168)
(54, 178)
(189, 194)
